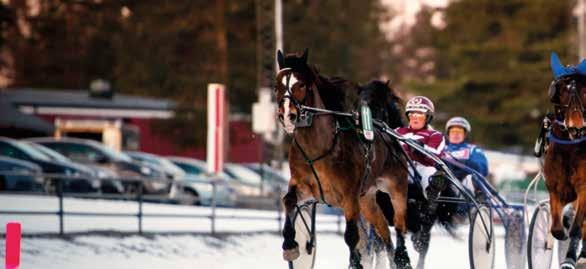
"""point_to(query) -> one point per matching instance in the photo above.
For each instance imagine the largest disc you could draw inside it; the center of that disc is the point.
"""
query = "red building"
(119, 121)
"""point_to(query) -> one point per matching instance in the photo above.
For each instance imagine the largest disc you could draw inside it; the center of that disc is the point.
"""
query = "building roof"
(10, 117)
(80, 103)
(82, 99)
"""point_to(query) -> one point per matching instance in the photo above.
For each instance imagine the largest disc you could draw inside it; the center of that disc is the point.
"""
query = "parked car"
(270, 176)
(92, 152)
(171, 170)
(105, 177)
(30, 180)
(22, 151)
(180, 192)
(198, 181)
(249, 182)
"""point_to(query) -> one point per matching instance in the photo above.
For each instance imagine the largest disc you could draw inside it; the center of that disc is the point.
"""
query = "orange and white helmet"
(420, 104)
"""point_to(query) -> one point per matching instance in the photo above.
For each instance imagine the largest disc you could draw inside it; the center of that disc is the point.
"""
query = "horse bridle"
(305, 117)
(560, 109)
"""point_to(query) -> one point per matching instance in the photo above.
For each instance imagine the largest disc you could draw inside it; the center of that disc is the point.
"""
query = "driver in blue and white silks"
(470, 155)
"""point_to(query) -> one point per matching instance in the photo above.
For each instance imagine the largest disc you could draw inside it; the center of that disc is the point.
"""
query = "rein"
(560, 110)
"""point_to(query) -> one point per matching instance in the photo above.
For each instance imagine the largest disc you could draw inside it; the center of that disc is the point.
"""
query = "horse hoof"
(581, 264)
(402, 258)
(291, 254)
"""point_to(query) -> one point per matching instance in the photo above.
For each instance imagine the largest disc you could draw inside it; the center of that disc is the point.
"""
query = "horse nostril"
(292, 117)
(281, 118)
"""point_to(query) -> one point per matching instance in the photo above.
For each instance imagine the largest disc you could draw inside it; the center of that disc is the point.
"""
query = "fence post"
(213, 205)
(60, 213)
(140, 207)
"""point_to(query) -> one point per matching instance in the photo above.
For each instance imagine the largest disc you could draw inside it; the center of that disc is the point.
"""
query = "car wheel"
(189, 197)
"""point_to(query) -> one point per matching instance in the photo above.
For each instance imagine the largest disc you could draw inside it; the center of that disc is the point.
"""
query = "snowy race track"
(243, 248)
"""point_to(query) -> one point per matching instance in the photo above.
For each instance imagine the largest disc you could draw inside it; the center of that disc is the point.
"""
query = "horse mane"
(337, 93)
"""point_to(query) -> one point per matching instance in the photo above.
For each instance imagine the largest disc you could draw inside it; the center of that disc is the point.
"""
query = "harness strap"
(367, 168)
(312, 161)
(552, 138)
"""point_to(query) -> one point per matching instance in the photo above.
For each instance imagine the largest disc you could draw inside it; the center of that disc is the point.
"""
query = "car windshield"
(169, 166)
(197, 168)
(190, 169)
(144, 158)
(243, 174)
(34, 153)
(49, 152)
(158, 161)
(116, 155)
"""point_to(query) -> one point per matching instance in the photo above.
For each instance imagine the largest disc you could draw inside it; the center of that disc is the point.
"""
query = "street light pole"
(581, 29)
(278, 29)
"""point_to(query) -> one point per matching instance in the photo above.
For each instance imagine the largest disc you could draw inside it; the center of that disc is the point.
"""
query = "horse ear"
(581, 67)
(388, 82)
(305, 55)
(280, 59)
(556, 65)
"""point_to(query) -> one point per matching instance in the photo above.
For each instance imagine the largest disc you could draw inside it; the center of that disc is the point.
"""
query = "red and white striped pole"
(216, 117)
(13, 235)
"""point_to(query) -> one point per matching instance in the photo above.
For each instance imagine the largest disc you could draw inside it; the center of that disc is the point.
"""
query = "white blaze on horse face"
(289, 125)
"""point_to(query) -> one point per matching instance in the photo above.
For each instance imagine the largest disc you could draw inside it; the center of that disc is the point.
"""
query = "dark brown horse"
(327, 158)
(564, 164)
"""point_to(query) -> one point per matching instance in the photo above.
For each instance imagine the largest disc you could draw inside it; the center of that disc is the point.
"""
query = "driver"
(419, 111)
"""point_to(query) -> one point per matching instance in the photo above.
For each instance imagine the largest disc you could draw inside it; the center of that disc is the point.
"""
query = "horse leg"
(382, 252)
(373, 212)
(399, 201)
(557, 229)
(351, 235)
(576, 231)
(366, 244)
(582, 257)
(398, 192)
(575, 236)
(421, 244)
(290, 247)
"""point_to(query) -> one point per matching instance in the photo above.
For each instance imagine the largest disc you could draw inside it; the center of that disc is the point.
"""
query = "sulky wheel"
(540, 241)
(481, 244)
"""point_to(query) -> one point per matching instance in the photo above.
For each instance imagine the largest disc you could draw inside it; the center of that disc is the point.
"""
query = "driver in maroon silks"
(419, 111)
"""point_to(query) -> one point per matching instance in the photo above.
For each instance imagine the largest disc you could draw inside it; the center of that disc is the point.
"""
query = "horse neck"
(317, 138)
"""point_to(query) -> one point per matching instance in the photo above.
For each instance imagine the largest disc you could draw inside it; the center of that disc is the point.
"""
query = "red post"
(13, 235)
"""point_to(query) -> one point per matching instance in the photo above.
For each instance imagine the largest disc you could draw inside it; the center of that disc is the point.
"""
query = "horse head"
(294, 88)
(567, 93)
(383, 101)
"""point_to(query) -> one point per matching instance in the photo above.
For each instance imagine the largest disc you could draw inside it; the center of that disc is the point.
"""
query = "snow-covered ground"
(243, 248)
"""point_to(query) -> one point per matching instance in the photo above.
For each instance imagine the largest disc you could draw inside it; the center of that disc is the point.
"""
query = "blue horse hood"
(559, 70)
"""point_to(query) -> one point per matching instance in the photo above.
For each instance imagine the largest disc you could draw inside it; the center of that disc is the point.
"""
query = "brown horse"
(564, 164)
(327, 158)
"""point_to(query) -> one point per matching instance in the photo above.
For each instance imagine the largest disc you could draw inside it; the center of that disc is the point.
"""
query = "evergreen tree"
(492, 65)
